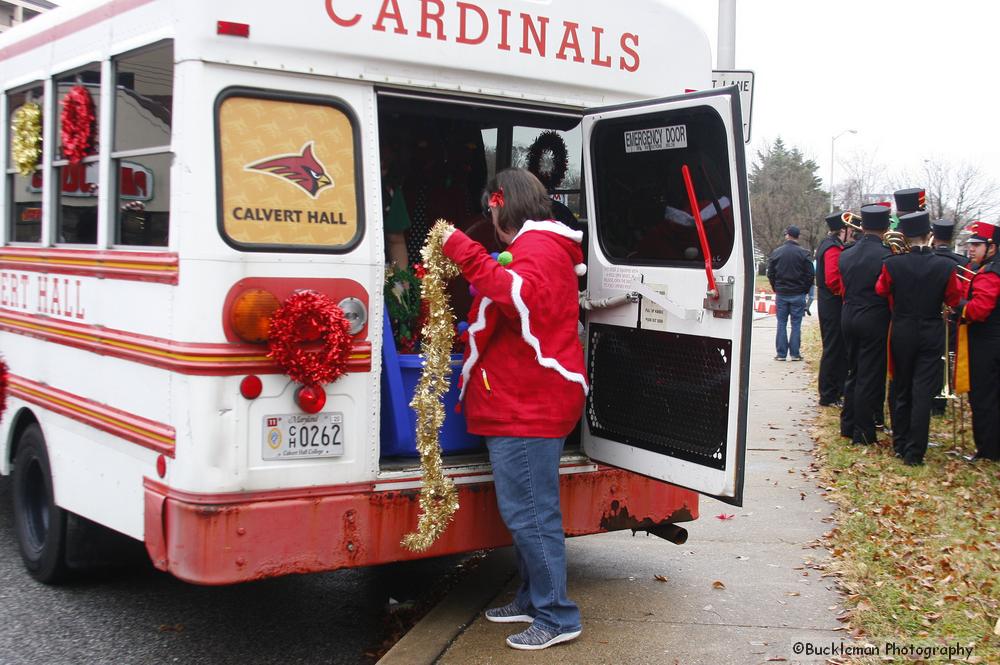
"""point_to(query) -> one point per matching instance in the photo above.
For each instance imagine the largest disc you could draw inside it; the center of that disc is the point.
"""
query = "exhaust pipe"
(678, 535)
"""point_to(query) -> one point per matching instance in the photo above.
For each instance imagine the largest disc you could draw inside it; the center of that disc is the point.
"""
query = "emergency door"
(669, 370)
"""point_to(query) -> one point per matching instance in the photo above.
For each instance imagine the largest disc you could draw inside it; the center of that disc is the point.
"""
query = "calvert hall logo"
(301, 169)
(503, 29)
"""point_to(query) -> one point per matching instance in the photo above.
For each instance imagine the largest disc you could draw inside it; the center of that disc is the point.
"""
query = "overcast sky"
(917, 79)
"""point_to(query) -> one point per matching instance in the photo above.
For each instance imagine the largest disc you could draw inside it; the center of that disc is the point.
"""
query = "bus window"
(144, 95)
(642, 202)
(530, 140)
(288, 175)
(76, 212)
(490, 144)
(24, 219)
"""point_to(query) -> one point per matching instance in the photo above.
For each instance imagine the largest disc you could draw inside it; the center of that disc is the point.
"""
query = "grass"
(761, 284)
(916, 549)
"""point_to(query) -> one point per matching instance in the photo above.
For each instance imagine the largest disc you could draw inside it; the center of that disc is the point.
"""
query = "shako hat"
(835, 220)
(915, 224)
(910, 200)
(983, 232)
(875, 218)
(943, 229)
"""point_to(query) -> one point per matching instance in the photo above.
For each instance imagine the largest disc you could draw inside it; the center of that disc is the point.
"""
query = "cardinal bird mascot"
(301, 169)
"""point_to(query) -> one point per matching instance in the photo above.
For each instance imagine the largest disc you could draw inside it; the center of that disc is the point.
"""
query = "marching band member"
(983, 315)
(830, 296)
(916, 283)
(865, 325)
(943, 230)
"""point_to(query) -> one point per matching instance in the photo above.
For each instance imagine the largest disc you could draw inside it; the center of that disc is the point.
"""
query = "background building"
(15, 12)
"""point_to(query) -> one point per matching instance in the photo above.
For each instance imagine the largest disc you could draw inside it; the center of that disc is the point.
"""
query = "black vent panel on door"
(661, 391)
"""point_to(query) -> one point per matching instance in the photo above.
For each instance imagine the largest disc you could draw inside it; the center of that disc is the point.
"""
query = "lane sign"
(742, 79)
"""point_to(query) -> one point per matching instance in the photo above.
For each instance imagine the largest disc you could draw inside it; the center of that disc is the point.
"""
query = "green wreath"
(549, 141)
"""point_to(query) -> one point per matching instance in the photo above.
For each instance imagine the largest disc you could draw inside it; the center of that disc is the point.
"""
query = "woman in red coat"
(523, 388)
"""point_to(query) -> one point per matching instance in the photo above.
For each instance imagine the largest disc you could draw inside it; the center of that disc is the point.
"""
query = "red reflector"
(311, 399)
(251, 387)
(161, 466)
(233, 29)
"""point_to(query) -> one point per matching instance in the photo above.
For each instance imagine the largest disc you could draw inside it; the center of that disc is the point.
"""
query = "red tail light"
(232, 29)
(311, 399)
(251, 387)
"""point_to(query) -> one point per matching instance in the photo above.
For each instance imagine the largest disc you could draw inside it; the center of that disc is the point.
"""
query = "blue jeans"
(526, 477)
(796, 306)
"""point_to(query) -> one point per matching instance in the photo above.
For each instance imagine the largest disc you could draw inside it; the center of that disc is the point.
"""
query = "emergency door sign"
(743, 80)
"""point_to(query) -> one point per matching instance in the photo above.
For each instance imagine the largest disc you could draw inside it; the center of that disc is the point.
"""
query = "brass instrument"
(947, 388)
(969, 272)
(896, 242)
(851, 220)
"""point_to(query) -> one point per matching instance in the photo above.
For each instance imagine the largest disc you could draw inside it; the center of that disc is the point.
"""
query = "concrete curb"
(426, 641)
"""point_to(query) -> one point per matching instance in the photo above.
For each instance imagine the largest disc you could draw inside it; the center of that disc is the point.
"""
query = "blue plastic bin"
(400, 374)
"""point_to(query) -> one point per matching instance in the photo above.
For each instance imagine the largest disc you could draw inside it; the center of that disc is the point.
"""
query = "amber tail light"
(250, 314)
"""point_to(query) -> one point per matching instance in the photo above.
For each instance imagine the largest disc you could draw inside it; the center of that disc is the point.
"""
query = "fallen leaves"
(660, 578)
(717, 584)
(919, 551)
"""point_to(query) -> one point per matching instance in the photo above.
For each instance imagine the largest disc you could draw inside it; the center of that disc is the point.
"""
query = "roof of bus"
(577, 52)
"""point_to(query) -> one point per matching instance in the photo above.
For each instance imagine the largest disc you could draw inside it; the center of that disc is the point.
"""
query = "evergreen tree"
(785, 190)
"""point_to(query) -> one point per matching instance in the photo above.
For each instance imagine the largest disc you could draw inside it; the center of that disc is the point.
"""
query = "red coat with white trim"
(524, 371)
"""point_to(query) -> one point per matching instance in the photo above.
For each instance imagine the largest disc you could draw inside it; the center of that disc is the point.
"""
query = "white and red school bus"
(135, 283)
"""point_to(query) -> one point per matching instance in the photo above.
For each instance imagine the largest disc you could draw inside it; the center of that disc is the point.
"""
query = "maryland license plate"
(303, 436)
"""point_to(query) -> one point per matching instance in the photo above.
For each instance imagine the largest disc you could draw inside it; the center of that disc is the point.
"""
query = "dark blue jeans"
(796, 306)
(526, 476)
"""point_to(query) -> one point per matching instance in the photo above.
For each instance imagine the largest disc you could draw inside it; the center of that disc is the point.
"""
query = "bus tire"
(40, 524)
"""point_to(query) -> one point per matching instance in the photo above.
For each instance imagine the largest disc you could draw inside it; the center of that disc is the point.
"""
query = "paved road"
(136, 614)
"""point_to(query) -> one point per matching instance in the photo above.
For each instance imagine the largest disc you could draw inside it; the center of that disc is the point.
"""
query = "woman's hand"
(447, 233)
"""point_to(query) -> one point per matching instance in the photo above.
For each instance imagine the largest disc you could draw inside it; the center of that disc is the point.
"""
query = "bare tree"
(962, 192)
(865, 181)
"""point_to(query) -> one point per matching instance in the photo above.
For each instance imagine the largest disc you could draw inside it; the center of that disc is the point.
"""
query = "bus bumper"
(229, 538)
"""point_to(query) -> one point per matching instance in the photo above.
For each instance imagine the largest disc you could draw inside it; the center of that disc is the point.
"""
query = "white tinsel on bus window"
(438, 497)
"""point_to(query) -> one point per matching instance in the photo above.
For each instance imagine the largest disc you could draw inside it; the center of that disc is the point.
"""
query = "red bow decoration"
(496, 199)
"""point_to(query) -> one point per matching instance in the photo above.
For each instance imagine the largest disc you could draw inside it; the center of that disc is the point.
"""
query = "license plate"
(303, 436)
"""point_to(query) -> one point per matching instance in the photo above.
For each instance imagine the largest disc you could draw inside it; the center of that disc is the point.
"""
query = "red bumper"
(227, 538)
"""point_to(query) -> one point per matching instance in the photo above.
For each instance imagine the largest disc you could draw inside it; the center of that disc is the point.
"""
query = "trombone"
(965, 274)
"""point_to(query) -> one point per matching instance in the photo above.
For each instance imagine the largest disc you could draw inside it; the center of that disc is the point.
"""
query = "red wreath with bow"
(305, 320)
(77, 124)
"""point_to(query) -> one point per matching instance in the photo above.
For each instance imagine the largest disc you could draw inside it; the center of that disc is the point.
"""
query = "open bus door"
(670, 372)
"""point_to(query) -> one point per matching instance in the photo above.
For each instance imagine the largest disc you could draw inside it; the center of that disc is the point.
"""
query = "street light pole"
(726, 58)
(833, 142)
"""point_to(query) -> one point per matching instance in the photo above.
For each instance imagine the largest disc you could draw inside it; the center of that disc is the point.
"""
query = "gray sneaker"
(509, 613)
(535, 638)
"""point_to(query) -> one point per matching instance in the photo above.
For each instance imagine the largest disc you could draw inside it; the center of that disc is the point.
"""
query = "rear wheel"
(39, 522)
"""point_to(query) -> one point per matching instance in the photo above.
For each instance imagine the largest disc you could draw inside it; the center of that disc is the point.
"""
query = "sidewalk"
(770, 596)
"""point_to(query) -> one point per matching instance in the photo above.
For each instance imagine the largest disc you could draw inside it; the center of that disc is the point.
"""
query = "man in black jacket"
(791, 272)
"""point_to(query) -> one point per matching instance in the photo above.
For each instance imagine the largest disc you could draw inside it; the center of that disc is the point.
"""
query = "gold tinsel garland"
(26, 148)
(438, 498)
